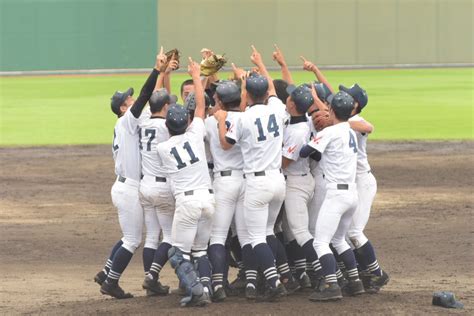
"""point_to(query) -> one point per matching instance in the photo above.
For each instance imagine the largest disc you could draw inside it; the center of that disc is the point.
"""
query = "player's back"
(223, 159)
(152, 132)
(183, 158)
(339, 159)
(362, 161)
(125, 147)
(261, 136)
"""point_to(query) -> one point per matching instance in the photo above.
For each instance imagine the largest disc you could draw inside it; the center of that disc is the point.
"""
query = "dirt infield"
(57, 226)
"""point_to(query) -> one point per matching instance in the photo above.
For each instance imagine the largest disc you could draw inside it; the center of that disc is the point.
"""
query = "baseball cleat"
(219, 295)
(353, 288)
(114, 290)
(179, 291)
(305, 282)
(250, 292)
(274, 294)
(291, 285)
(373, 283)
(100, 277)
(239, 282)
(155, 287)
(326, 292)
(196, 300)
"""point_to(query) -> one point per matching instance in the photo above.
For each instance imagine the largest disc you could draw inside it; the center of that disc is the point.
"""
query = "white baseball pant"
(156, 198)
(130, 212)
(334, 218)
(299, 192)
(318, 198)
(264, 196)
(193, 220)
(367, 188)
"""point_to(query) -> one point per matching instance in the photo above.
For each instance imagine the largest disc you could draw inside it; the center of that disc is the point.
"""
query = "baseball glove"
(212, 64)
(170, 55)
(321, 119)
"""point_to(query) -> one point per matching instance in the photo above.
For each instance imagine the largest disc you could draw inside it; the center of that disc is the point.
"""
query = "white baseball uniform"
(124, 192)
(259, 131)
(228, 184)
(299, 181)
(338, 146)
(183, 159)
(366, 187)
(155, 190)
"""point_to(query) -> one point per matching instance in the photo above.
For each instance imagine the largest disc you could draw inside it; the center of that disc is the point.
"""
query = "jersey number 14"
(272, 127)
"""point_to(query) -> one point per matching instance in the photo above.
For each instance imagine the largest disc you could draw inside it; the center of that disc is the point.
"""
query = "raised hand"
(308, 65)
(238, 72)
(256, 57)
(220, 115)
(173, 65)
(278, 56)
(160, 59)
(206, 52)
(194, 69)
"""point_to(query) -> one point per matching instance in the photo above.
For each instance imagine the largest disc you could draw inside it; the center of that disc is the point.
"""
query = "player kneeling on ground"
(337, 145)
(184, 162)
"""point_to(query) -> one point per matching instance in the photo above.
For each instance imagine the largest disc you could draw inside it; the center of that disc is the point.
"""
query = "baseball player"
(155, 192)
(338, 146)
(125, 189)
(229, 189)
(183, 160)
(372, 275)
(259, 132)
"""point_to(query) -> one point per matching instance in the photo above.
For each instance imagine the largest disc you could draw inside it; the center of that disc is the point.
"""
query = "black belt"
(298, 175)
(210, 165)
(192, 192)
(259, 173)
(342, 186)
(122, 179)
(226, 173)
(157, 179)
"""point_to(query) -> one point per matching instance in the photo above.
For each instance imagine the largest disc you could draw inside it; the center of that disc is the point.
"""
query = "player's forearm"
(264, 72)
(222, 139)
(199, 95)
(285, 162)
(145, 94)
(286, 74)
(160, 81)
(363, 127)
(167, 83)
(322, 78)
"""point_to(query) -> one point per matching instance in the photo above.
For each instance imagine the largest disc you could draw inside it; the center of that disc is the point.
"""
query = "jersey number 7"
(272, 127)
(191, 154)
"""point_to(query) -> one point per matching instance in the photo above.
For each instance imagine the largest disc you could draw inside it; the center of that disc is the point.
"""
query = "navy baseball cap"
(256, 85)
(158, 99)
(190, 102)
(446, 299)
(177, 118)
(228, 91)
(359, 94)
(301, 96)
(342, 104)
(118, 99)
(323, 92)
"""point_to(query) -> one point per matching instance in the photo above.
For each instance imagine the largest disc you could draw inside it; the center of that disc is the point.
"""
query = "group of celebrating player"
(271, 176)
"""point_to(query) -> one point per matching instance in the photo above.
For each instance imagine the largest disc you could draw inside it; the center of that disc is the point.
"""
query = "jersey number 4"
(191, 154)
(352, 142)
(272, 127)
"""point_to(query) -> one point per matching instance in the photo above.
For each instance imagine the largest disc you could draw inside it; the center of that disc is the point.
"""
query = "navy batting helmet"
(228, 91)
(158, 100)
(256, 85)
(342, 104)
(190, 102)
(323, 92)
(359, 94)
(177, 119)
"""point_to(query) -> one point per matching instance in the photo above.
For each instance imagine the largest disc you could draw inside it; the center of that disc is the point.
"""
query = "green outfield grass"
(409, 104)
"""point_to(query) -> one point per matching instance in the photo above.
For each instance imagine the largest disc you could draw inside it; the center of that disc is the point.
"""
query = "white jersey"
(338, 146)
(152, 132)
(313, 164)
(125, 147)
(295, 135)
(183, 158)
(362, 162)
(223, 159)
(259, 131)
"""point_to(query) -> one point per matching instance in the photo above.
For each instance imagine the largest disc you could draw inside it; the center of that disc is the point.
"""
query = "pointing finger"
(161, 50)
(254, 49)
(304, 59)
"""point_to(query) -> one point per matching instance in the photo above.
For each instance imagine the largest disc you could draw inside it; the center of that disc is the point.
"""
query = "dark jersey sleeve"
(145, 94)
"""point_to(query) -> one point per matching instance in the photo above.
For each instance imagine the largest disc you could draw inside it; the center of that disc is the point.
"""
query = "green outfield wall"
(108, 34)
(77, 34)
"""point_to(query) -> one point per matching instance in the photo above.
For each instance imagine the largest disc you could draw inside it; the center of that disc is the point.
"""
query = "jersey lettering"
(152, 132)
(191, 154)
(352, 142)
(272, 127)
(115, 146)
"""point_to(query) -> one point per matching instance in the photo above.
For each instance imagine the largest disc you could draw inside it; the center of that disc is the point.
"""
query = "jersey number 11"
(191, 154)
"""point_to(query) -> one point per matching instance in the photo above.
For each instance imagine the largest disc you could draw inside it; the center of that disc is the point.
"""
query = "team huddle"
(254, 173)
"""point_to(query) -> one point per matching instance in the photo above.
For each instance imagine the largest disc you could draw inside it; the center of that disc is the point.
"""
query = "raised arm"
(148, 87)
(361, 126)
(223, 140)
(309, 66)
(280, 59)
(240, 74)
(256, 58)
(194, 70)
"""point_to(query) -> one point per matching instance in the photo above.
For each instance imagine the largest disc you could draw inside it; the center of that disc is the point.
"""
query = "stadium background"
(117, 34)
